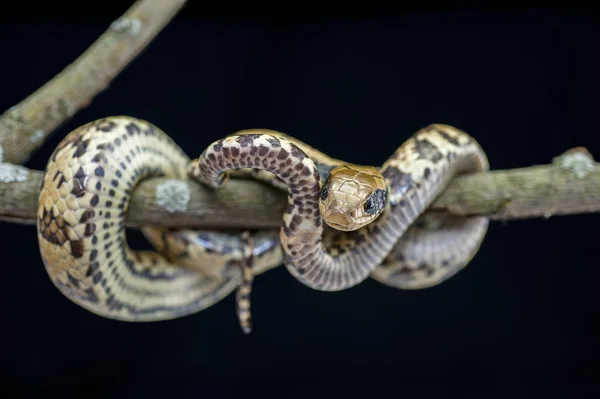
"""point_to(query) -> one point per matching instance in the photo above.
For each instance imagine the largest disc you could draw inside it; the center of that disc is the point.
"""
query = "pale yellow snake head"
(352, 197)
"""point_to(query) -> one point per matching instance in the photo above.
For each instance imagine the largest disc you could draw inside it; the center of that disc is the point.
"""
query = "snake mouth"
(339, 221)
(337, 226)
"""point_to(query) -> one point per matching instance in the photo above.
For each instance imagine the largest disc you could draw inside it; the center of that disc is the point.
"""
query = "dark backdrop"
(519, 319)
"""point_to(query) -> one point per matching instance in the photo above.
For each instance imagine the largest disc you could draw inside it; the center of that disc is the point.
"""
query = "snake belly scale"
(89, 179)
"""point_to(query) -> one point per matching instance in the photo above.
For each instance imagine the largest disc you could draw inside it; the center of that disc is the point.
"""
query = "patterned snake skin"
(90, 176)
(416, 174)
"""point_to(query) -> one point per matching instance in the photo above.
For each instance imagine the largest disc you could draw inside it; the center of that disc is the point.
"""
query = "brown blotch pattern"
(399, 183)
(427, 150)
(53, 229)
(447, 137)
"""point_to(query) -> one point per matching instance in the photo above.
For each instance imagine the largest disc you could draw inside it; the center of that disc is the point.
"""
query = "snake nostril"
(353, 213)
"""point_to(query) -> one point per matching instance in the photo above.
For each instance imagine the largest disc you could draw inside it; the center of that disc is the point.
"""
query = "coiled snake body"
(90, 177)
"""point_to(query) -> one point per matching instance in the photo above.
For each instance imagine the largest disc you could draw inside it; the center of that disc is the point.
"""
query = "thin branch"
(570, 185)
(26, 126)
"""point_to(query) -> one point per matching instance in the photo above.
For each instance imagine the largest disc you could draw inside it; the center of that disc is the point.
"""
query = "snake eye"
(324, 193)
(369, 205)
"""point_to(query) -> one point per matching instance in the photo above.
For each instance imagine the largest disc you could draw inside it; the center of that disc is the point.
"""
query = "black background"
(518, 320)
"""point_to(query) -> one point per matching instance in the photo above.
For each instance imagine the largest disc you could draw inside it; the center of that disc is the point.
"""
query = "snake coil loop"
(374, 222)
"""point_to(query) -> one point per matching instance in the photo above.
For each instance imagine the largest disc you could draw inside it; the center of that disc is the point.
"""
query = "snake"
(371, 207)
(343, 223)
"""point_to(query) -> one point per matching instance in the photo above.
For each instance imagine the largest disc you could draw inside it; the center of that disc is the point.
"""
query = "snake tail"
(244, 290)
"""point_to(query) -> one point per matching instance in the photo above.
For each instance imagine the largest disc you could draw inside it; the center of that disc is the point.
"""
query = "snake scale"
(374, 222)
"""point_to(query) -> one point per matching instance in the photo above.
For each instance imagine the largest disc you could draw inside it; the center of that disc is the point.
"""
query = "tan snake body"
(90, 176)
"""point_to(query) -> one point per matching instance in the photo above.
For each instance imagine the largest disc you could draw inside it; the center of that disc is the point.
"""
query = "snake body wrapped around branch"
(374, 219)
(90, 176)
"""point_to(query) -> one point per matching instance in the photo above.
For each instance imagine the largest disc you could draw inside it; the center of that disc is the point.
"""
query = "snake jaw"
(338, 208)
(348, 219)
(338, 220)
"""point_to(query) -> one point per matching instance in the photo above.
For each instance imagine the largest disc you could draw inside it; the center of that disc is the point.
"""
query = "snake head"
(352, 197)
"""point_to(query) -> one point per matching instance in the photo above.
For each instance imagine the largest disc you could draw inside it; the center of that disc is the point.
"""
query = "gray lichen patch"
(14, 114)
(173, 195)
(578, 160)
(10, 173)
(37, 136)
(131, 26)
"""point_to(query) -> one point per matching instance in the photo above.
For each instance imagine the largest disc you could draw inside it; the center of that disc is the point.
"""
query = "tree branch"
(570, 185)
(26, 126)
